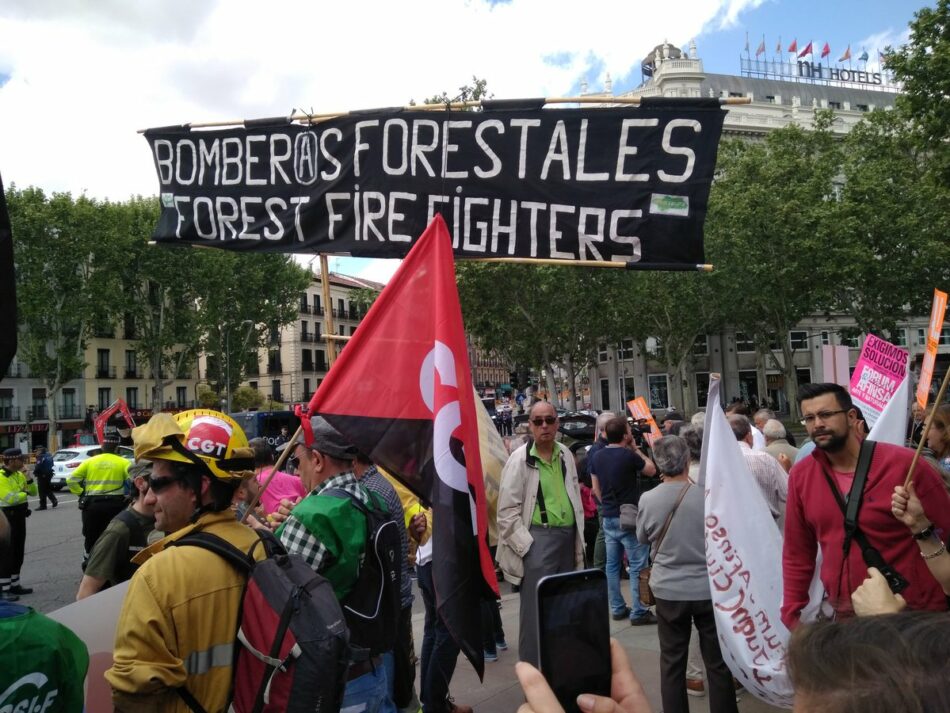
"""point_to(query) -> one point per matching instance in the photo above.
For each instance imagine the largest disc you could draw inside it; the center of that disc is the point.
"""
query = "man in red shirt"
(813, 517)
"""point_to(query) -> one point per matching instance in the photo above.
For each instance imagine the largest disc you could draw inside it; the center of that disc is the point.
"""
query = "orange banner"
(933, 339)
(639, 410)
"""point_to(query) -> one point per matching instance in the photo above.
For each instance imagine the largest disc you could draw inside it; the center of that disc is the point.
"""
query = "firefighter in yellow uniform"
(100, 484)
(14, 489)
(175, 637)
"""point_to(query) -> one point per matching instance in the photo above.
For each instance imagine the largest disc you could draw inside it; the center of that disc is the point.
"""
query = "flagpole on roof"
(451, 106)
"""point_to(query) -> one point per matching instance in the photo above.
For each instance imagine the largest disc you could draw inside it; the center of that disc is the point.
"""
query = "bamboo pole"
(923, 435)
(606, 102)
(667, 266)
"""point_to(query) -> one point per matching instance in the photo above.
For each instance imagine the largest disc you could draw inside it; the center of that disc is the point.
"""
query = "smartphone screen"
(574, 635)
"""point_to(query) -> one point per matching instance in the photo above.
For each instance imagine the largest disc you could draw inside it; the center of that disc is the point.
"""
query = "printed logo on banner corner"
(168, 200)
(665, 204)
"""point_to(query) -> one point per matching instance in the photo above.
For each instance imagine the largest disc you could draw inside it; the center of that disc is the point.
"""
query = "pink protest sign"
(879, 371)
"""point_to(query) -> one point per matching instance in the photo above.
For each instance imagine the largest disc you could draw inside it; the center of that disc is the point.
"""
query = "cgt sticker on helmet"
(209, 436)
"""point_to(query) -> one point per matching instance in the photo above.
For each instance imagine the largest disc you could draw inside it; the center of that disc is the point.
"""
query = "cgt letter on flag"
(401, 391)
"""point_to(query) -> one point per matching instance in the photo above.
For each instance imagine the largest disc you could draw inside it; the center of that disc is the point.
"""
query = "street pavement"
(52, 568)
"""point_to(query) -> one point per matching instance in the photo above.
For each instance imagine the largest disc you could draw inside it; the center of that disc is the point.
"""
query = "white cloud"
(84, 76)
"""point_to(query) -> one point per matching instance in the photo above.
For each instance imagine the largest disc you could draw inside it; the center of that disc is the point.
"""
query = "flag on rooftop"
(761, 48)
(846, 56)
(794, 46)
(806, 51)
(825, 51)
(863, 57)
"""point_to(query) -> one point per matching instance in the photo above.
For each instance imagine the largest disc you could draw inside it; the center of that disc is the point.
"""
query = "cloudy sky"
(78, 78)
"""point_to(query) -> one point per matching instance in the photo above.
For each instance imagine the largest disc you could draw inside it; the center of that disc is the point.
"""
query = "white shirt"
(771, 478)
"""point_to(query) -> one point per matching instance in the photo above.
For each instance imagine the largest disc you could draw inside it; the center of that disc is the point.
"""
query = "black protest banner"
(619, 184)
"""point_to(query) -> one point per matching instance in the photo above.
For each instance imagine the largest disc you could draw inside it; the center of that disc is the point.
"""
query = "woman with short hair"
(671, 518)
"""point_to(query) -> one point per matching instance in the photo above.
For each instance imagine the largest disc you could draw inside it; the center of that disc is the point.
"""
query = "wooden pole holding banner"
(607, 102)
(331, 339)
(656, 266)
(923, 435)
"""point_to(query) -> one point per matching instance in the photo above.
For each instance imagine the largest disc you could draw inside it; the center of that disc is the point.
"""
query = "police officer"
(100, 484)
(14, 489)
(43, 475)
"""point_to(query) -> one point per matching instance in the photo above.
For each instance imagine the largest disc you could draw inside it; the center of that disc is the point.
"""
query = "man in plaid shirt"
(329, 532)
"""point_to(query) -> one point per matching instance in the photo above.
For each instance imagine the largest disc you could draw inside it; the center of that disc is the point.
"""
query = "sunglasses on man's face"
(157, 485)
(550, 420)
(293, 462)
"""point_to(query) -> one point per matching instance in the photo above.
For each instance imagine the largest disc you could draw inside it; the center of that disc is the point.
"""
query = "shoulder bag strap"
(669, 519)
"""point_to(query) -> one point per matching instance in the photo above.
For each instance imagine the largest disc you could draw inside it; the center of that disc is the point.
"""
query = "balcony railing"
(70, 412)
(105, 372)
(131, 373)
(254, 370)
(304, 308)
(318, 310)
(340, 313)
(276, 396)
(38, 412)
(9, 413)
(275, 368)
(320, 366)
(307, 366)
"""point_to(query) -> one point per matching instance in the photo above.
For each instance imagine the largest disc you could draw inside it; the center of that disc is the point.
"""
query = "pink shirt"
(284, 485)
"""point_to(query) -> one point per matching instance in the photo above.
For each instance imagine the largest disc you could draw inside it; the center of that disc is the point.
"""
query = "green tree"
(540, 316)
(241, 290)
(208, 397)
(64, 250)
(161, 288)
(769, 234)
(675, 309)
(244, 397)
(923, 65)
(891, 225)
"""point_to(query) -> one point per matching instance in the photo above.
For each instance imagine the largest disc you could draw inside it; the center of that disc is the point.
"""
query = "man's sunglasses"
(157, 485)
(293, 462)
(550, 420)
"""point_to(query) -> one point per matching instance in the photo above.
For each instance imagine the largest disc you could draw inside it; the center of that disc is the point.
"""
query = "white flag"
(744, 559)
(891, 425)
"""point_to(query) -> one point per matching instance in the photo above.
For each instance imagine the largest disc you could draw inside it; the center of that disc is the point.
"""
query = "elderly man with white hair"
(777, 445)
(769, 475)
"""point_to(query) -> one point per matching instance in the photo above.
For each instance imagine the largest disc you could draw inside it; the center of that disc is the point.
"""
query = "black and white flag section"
(401, 391)
(626, 184)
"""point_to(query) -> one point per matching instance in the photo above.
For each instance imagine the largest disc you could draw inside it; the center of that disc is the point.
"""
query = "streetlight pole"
(227, 359)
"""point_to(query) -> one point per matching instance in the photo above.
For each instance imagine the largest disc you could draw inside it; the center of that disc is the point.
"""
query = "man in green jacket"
(329, 532)
(42, 663)
(14, 489)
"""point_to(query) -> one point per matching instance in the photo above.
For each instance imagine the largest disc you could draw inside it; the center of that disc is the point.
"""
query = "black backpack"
(372, 607)
(291, 648)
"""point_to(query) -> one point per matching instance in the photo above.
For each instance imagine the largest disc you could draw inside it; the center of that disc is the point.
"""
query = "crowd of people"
(634, 511)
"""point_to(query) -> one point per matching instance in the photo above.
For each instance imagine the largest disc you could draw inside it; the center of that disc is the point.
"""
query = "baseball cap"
(326, 439)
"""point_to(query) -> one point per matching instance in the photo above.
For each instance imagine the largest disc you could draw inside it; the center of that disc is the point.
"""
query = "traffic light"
(513, 380)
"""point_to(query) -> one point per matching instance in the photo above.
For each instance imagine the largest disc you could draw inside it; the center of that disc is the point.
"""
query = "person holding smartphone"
(540, 518)
(671, 518)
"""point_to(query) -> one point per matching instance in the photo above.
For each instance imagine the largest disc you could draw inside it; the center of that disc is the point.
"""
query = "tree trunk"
(572, 386)
(686, 393)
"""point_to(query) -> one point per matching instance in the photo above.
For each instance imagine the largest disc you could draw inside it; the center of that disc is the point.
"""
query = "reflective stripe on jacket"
(14, 488)
(104, 474)
(178, 622)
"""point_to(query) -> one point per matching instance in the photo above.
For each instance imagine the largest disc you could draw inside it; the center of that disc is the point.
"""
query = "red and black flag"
(402, 392)
(8, 317)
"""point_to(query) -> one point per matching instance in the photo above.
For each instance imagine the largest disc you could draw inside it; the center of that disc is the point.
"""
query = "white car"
(65, 461)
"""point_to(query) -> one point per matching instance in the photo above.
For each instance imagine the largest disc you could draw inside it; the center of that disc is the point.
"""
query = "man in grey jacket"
(540, 519)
